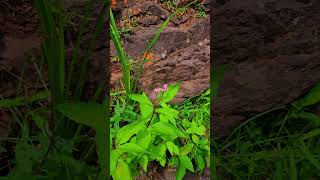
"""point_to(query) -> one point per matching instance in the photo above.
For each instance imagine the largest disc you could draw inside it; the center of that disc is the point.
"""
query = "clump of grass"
(48, 150)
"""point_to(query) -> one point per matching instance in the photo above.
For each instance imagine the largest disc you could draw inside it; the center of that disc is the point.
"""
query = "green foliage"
(161, 133)
(92, 115)
(53, 153)
(178, 11)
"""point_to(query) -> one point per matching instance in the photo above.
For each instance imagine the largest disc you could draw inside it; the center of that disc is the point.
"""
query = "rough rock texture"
(274, 49)
(183, 55)
(189, 66)
(170, 40)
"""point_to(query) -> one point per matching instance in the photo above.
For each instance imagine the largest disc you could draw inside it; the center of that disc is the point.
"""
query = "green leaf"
(168, 114)
(143, 161)
(173, 149)
(163, 162)
(195, 139)
(311, 98)
(185, 161)
(93, 115)
(132, 148)
(88, 114)
(185, 150)
(200, 162)
(158, 152)
(144, 138)
(169, 94)
(122, 171)
(146, 106)
(195, 129)
(19, 101)
(114, 156)
(126, 132)
(174, 161)
(181, 172)
(313, 133)
(166, 130)
(39, 120)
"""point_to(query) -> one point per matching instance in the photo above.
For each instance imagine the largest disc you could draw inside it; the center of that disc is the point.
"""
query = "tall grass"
(58, 141)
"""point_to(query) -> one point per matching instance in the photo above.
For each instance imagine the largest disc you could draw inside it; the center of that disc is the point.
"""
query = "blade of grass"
(76, 49)
(89, 50)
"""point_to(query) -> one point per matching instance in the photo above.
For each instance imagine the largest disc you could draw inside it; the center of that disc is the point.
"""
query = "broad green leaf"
(311, 98)
(168, 114)
(169, 94)
(163, 162)
(143, 161)
(185, 150)
(173, 149)
(200, 162)
(195, 129)
(122, 171)
(165, 130)
(93, 115)
(195, 139)
(181, 172)
(146, 106)
(158, 152)
(126, 132)
(186, 162)
(132, 148)
(88, 114)
(114, 157)
(144, 138)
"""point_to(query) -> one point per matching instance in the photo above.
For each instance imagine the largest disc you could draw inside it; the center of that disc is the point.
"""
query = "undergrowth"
(46, 144)
(145, 130)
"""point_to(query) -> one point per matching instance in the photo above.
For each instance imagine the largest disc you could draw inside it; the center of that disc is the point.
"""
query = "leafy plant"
(154, 132)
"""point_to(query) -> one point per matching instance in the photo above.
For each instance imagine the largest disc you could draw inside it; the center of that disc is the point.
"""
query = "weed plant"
(143, 131)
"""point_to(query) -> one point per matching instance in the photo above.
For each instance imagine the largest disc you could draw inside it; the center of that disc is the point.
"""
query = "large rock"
(273, 47)
(170, 40)
(183, 53)
(189, 66)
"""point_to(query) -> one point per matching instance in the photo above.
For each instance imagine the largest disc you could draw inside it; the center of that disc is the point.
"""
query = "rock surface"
(189, 66)
(183, 55)
(274, 50)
